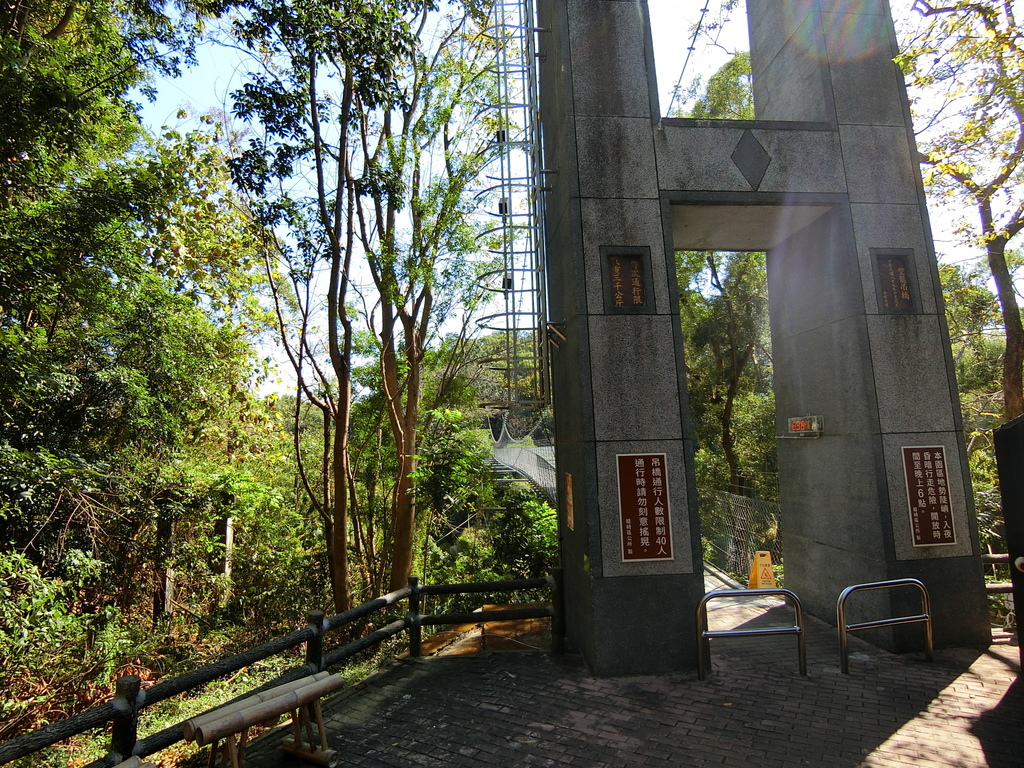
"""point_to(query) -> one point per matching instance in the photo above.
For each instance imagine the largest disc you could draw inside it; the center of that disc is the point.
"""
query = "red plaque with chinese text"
(644, 507)
(931, 512)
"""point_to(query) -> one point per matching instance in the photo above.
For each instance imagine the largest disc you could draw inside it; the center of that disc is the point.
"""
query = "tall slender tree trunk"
(1013, 356)
(339, 511)
(403, 417)
(736, 484)
(339, 343)
(163, 596)
(405, 514)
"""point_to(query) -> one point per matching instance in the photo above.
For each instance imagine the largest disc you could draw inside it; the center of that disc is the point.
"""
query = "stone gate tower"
(826, 181)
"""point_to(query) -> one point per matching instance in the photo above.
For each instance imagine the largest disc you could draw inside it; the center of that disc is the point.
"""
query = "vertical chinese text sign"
(644, 507)
(931, 512)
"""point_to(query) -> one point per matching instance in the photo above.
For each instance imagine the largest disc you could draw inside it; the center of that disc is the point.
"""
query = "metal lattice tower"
(516, 241)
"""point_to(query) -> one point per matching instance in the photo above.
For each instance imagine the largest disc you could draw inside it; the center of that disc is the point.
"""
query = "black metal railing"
(130, 699)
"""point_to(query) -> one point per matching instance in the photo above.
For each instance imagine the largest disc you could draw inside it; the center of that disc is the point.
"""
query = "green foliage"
(972, 314)
(496, 374)
(964, 65)
(518, 539)
(337, 78)
(69, 629)
(64, 71)
(724, 315)
(101, 349)
(451, 473)
(128, 306)
(474, 528)
(524, 533)
(728, 95)
(415, 232)
(52, 659)
(59, 96)
(277, 560)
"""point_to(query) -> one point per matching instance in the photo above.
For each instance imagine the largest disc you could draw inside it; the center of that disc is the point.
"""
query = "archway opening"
(728, 317)
(723, 298)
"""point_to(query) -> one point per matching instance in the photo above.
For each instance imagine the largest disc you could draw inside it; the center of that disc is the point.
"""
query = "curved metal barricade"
(924, 617)
(704, 635)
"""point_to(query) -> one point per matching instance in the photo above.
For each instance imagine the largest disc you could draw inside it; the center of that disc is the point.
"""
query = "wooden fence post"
(315, 644)
(415, 633)
(125, 730)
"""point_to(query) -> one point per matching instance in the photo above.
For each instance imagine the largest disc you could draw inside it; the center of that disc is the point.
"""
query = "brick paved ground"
(755, 710)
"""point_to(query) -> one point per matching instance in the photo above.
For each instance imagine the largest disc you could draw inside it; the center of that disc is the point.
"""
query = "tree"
(447, 449)
(973, 317)
(130, 279)
(728, 95)
(358, 158)
(65, 71)
(723, 307)
(965, 69)
(118, 253)
(318, 59)
(125, 345)
(415, 231)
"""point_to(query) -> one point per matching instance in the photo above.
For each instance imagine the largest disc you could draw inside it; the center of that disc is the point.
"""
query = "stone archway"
(825, 181)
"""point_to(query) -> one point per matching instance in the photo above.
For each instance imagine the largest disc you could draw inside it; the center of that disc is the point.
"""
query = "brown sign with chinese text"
(644, 507)
(931, 512)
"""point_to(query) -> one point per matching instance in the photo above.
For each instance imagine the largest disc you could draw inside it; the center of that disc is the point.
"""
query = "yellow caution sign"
(761, 575)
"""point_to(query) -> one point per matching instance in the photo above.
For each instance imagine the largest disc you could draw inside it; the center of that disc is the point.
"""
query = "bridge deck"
(524, 709)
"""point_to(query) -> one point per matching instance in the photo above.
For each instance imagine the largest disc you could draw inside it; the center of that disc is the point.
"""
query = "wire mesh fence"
(734, 527)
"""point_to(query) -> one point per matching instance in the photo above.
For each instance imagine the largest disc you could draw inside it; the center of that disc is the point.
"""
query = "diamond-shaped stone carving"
(751, 159)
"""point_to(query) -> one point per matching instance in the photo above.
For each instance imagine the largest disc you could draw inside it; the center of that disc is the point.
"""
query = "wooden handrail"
(125, 713)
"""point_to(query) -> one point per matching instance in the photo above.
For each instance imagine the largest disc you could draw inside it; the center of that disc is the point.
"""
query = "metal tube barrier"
(704, 635)
(924, 617)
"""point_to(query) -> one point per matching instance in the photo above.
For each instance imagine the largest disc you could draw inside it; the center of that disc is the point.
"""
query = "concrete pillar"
(877, 366)
(618, 376)
(825, 179)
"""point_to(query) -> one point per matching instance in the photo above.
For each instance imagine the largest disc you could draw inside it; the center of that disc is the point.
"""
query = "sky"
(199, 89)
(221, 69)
(719, 35)
(673, 22)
